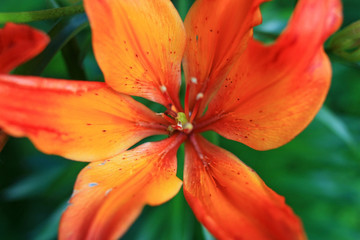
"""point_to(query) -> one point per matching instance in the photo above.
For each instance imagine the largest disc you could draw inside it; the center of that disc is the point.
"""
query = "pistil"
(178, 120)
(178, 123)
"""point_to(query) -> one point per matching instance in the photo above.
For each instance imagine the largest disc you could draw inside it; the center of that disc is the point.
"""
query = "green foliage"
(23, 17)
(346, 43)
(318, 172)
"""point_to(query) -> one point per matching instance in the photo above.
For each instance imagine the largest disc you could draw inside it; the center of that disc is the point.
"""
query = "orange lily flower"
(262, 96)
(18, 43)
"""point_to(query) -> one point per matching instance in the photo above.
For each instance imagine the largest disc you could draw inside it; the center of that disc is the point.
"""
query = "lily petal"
(19, 43)
(217, 33)
(108, 196)
(231, 200)
(85, 121)
(139, 46)
(274, 92)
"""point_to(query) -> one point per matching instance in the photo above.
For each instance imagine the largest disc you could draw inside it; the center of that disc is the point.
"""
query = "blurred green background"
(318, 172)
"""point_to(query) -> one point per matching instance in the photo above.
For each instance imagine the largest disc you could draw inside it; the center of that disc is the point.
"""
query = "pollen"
(199, 96)
(163, 88)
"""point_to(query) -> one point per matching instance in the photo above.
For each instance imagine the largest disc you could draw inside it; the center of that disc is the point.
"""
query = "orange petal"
(19, 43)
(108, 196)
(217, 33)
(139, 46)
(231, 200)
(85, 121)
(274, 92)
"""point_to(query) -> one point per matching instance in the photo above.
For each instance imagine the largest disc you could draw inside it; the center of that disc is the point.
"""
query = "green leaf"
(32, 185)
(346, 43)
(72, 56)
(336, 125)
(207, 235)
(183, 7)
(49, 228)
(212, 136)
(60, 35)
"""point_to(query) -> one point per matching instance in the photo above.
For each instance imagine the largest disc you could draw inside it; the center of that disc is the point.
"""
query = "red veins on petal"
(109, 195)
(231, 200)
(19, 43)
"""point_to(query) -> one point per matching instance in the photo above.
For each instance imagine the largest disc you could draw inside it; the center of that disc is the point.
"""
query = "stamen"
(186, 103)
(171, 113)
(188, 127)
(199, 96)
(198, 149)
(163, 88)
(195, 111)
(193, 80)
(170, 103)
(170, 130)
(167, 118)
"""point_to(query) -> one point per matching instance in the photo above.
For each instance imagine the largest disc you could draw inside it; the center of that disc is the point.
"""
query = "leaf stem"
(23, 17)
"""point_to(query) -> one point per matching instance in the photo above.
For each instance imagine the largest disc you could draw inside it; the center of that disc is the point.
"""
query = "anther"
(196, 108)
(199, 96)
(188, 127)
(163, 88)
(171, 113)
(194, 80)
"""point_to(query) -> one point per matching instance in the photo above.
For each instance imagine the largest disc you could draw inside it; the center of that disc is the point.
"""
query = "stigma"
(183, 123)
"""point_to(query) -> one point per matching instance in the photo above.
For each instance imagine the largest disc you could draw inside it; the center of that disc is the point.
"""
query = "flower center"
(182, 124)
(178, 122)
(182, 120)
